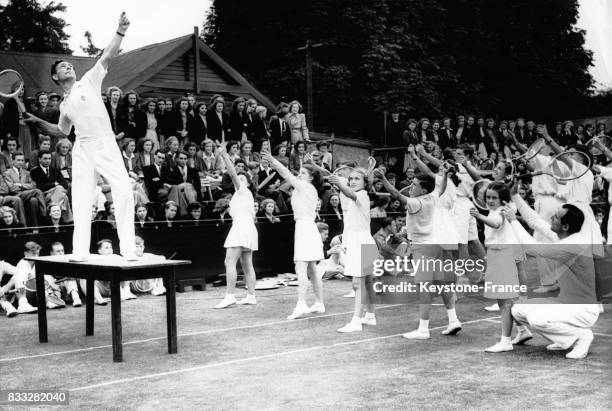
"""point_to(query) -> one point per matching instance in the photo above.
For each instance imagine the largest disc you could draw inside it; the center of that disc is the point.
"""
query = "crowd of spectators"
(169, 150)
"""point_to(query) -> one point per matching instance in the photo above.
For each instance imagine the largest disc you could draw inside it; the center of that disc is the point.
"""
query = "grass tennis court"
(251, 357)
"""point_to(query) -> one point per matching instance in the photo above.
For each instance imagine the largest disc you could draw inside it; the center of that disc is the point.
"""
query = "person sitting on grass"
(16, 283)
(52, 290)
(155, 286)
(68, 286)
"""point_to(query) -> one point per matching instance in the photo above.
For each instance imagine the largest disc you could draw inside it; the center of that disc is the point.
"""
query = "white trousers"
(559, 323)
(89, 158)
(546, 206)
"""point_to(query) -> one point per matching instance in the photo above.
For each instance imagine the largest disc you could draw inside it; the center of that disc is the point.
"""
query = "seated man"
(20, 184)
(68, 286)
(6, 157)
(105, 248)
(12, 201)
(51, 182)
(565, 320)
(155, 286)
(185, 184)
(32, 249)
(157, 190)
(389, 246)
(44, 144)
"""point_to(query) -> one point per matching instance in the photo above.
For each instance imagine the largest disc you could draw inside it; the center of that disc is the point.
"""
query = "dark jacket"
(215, 127)
(46, 183)
(277, 136)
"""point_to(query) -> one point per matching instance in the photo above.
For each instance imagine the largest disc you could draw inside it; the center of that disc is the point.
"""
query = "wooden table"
(114, 269)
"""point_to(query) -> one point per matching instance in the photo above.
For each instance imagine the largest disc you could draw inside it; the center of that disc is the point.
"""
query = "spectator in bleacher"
(332, 210)
(184, 123)
(395, 207)
(144, 155)
(52, 184)
(227, 186)
(191, 100)
(447, 134)
(435, 131)
(459, 133)
(265, 147)
(589, 133)
(248, 116)
(217, 120)
(61, 159)
(11, 146)
(12, 201)
(259, 127)
(296, 160)
(109, 214)
(326, 156)
(424, 133)
(470, 130)
(267, 212)
(246, 152)
(601, 128)
(113, 107)
(44, 144)
(199, 124)
(166, 122)
(389, 245)
(133, 119)
(130, 160)
(194, 215)
(410, 135)
(155, 286)
(380, 207)
(156, 189)
(394, 130)
(189, 188)
(221, 211)
(8, 220)
(172, 149)
(141, 216)
(530, 133)
(54, 100)
(279, 129)
(264, 173)
(54, 222)
(280, 153)
(194, 161)
(296, 120)
(580, 132)
(209, 158)
(14, 126)
(20, 184)
(170, 212)
(43, 110)
(150, 109)
(236, 124)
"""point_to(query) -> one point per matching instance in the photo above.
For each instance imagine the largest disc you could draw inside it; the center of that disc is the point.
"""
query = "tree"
(30, 26)
(434, 58)
(91, 50)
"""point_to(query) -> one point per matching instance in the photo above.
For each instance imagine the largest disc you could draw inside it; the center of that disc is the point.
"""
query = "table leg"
(42, 307)
(171, 312)
(116, 320)
(89, 307)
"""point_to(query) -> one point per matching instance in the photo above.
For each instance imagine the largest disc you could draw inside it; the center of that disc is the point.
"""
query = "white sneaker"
(317, 308)
(500, 347)
(76, 300)
(351, 294)
(351, 327)
(417, 335)
(522, 337)
(158, 291)
(24, 307)
(100, 301)
(228, 300)
(369, 319)
(492, 308)
(248, 300)
(452, 329)
(582, 345)
(300, 309)
(8, 307)
(556, 347)
(126, 294)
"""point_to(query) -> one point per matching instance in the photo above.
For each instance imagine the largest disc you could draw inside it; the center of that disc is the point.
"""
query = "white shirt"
(543, 184)
(83, 108)
(419, 217)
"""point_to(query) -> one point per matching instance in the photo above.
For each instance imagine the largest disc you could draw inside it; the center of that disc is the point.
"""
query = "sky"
(154, 21)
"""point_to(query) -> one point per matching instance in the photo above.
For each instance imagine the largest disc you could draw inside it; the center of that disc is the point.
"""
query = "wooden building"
(168, 69)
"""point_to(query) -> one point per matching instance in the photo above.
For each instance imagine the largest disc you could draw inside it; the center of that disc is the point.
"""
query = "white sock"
(505, 340)
(23, 299)
(452, 315)
(423, 325)
(521, 328)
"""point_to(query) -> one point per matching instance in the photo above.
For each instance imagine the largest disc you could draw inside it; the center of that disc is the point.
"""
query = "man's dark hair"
(427, 182)
(43, 152)
(54, 68)
(386, 222)
(574, 218)
(240, 161)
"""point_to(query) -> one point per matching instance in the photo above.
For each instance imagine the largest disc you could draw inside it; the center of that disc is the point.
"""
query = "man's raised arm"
(113, 47)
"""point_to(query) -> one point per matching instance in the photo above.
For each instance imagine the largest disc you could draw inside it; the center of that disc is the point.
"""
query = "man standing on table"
(95, 150)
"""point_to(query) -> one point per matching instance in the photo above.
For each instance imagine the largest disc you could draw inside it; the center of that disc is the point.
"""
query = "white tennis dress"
(308, 245)
(444, 228)
(243, 232)
(357, 234)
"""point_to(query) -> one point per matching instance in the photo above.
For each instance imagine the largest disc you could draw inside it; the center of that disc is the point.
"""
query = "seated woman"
(141, 217)
(211, 165)
(170, 211)
(267, 212)
(61, 160)
(134, 170)
(194, 215)
(247, 154)
(332, 210)
(194, 161)
(144, 155)
(54, 221)
(280, 153)
(380, 207)
(296, 160)
(8, 220)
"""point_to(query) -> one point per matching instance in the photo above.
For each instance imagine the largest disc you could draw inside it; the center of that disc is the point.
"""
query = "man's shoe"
(25, 308)
(522, 337)
(500, 347)
(492, 308)
(317, 308)
(100, 301)
(452, 329)
(546, 289)
(582, 345)
(417, 335)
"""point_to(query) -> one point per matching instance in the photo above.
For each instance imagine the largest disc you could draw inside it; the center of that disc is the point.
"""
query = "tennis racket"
(567, 166)
(368, 164)
(11, 83)
(479, 193)
(594, 147)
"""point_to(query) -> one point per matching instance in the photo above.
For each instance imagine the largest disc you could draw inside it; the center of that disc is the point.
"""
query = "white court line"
(203, 332)
(258, 357)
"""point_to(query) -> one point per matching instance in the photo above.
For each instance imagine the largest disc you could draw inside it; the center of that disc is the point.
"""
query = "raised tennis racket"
(11, 83)
(595, 148)
(567, 166)
(368, 164)
(479, 191)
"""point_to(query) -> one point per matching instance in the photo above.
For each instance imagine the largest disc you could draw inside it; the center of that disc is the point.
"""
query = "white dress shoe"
(300, 309)
(248, 300)
(500, 347)
(452, 329)
(417, 335)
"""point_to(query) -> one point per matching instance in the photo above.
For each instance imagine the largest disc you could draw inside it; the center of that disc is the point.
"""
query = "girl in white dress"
(308, 247)
(357, 234)
(501, 243)
(242, 238)
(151, 134)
